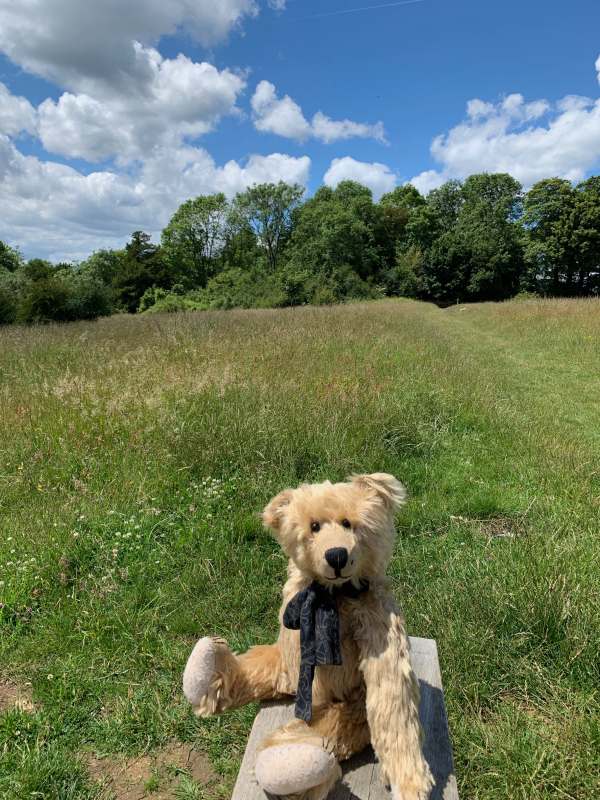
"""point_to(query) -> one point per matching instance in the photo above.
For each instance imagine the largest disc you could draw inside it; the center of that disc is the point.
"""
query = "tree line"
(483, 239)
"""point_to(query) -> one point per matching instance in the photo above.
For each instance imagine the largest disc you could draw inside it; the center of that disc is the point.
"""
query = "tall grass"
(135, 453)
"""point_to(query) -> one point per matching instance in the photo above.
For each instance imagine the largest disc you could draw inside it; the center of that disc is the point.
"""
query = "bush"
(9, 297)
(89, 298)
(44, 300)
(237, 288)
(159, 301)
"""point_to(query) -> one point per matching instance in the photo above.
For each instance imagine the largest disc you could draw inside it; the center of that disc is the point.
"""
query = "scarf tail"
(303, 709)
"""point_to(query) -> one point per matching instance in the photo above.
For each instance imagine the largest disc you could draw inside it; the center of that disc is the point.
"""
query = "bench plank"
(361, 779)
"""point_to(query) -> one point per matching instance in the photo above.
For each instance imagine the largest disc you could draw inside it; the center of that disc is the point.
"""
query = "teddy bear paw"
(290, 770)
(200, 669)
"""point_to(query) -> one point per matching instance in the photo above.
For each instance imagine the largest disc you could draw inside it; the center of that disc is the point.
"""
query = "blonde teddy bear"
(342, 650)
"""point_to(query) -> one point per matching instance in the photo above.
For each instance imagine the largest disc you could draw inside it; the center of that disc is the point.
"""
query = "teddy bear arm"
(393, 706)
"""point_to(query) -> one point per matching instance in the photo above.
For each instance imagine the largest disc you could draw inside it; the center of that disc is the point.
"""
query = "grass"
(135, 453)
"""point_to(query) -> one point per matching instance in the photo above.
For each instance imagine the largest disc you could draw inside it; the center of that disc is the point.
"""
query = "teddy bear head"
(336, 532)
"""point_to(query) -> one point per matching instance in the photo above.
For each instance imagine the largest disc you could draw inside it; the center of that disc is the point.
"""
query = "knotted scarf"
(314, 612)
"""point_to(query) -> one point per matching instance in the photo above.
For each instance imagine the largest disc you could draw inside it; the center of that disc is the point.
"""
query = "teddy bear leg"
(216, 679)
(301, 761)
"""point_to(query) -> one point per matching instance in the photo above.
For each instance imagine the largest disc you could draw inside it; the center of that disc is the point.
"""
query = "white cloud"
(284, 117)
(531, 141)
(55, 211)
(277, 5)
(378, 177)
(81, 44)
(182, 99)
(426, 181)
(329, 130)
(16, 113)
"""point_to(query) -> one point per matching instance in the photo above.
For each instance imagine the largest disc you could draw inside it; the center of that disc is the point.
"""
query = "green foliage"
(158, 301)
(479, 254)
(406, 278)
(242, 249)
(446, 203)
(104, 265)
(267, 209)
(38, 292)
(562, 226)
(237, 288)
(477, 240)
(336, 228)
(143, 267)
(44, 299)
(10, 259)
(194, 238)
(9, 296)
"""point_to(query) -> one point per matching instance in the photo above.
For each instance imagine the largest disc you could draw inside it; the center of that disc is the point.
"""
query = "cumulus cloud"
(378, 177)
(55, 211)
(281, 116)
(329, 130)
(81, 45)
(531, 141)
(284, 117)
(17, 115)
(182, 99)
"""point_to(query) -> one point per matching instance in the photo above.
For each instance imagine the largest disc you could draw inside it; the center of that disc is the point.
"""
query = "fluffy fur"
(374, 696)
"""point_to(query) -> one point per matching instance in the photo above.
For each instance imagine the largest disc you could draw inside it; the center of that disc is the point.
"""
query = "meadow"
(135, 453)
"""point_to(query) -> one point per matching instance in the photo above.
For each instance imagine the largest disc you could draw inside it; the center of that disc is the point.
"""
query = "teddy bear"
(342, 651)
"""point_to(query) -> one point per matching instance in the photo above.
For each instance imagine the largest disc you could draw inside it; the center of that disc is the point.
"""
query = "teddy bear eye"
(346, 523)
(315, 527)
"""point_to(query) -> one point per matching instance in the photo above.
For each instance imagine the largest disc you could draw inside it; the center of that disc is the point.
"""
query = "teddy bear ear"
(388, 489)
(272, 516)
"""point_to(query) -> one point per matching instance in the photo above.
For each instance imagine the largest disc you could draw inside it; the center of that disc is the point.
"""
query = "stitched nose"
(337, 558)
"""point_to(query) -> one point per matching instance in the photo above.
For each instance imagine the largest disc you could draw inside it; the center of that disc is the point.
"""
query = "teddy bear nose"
(337, 558)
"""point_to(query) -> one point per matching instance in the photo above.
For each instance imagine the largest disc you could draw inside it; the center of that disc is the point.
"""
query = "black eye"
(346, 523)
(315, 527)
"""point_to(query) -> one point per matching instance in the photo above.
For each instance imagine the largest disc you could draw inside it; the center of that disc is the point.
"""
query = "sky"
(112, 113)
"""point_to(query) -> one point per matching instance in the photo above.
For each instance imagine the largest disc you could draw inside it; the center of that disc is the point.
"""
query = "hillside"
(136, 452)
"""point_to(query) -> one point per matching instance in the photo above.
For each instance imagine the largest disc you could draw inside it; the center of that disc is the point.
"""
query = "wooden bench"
(361, 774)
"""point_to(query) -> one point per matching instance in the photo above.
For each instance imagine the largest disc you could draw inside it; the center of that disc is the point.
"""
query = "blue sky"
(109, 118)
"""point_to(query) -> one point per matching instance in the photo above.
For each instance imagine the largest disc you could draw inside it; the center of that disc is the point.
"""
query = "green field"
(135, 454)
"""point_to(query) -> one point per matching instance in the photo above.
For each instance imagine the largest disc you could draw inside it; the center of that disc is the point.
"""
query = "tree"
(336, 229)
(44, 299)
(587, 237)
(10, 259)
(143, 267)
(89, 297)
(241, 249)
(195, 237)
(549, 221)
(479, 257)
(9, 296)
(268, 210)
(446, 203)
(104, 265)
